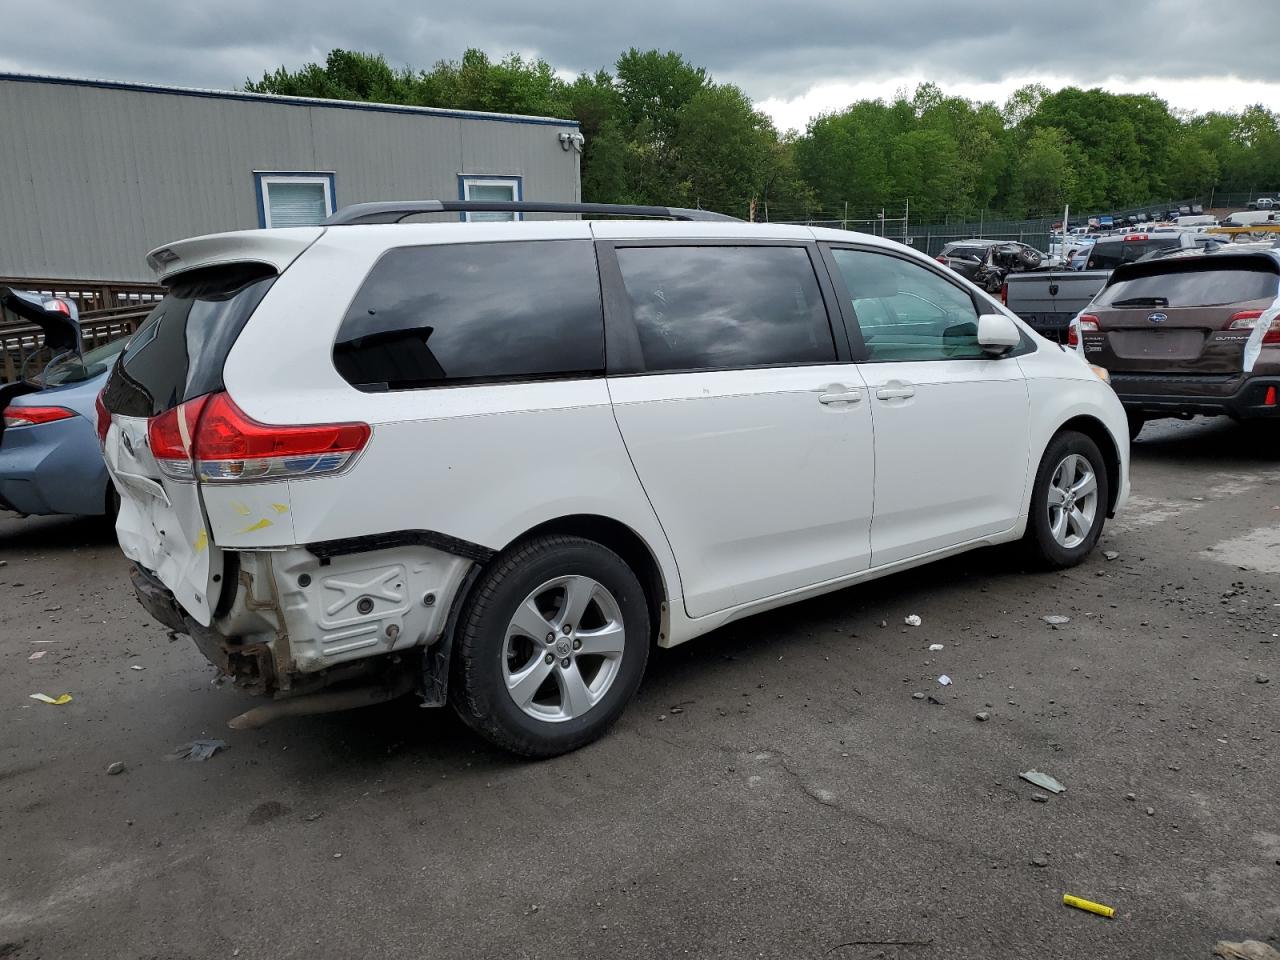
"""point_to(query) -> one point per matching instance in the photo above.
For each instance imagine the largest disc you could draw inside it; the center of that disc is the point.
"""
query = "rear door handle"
(896, 392)
(847, 396)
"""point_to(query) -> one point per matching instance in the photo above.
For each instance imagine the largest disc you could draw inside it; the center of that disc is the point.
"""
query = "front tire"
(1068, 502)
(551, 645)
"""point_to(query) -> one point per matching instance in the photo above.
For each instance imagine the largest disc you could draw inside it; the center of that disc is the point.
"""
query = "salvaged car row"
(504, 459)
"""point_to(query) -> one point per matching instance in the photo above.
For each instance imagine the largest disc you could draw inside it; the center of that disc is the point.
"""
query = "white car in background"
(495, 462)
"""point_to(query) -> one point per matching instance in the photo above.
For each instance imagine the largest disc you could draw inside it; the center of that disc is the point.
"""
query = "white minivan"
(495, 462)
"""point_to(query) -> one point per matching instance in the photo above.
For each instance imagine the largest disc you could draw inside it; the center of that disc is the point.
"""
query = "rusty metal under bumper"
(251, 667)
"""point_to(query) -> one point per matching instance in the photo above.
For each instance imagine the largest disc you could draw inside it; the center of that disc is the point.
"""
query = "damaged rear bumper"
(297, 620)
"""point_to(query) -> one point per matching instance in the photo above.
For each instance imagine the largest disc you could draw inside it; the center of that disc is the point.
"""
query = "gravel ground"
(775, 791)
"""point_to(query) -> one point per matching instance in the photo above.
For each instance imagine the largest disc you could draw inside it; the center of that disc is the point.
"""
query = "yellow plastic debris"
(1080, 903)
(56, 701)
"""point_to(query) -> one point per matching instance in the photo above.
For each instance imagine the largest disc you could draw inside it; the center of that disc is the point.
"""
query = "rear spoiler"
(275, 248)
(1264, 261)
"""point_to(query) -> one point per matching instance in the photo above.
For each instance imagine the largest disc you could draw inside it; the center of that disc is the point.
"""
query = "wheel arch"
(1097, 431)
(626, 543)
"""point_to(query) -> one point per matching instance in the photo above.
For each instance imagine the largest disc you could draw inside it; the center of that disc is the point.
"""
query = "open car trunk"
(58, 321)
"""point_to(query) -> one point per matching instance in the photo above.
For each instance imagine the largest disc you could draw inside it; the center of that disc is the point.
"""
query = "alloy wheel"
(563, 648)
(1073, 500)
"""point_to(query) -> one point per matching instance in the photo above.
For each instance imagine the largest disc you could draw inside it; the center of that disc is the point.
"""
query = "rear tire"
(110, 507)
(1136, 423)
(1068, 502)
(529, 678)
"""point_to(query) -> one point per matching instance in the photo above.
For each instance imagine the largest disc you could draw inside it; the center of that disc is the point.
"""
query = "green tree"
(723, 149)
(658, 129)
(1045, 177)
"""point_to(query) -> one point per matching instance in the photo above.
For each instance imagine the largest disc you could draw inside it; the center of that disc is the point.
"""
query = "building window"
(490, 188)
(294, 199)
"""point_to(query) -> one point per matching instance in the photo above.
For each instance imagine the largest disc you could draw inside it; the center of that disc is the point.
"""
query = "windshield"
(78, 369)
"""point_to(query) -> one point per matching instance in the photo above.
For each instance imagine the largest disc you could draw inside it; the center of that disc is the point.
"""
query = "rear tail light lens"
(941, 259)
(1248, 319)
(1082, 323)
(1244, 320)
(103, 419)
(1004, 293)
(212, 439)
(171, 438)
(30, 416)
(1270, 398)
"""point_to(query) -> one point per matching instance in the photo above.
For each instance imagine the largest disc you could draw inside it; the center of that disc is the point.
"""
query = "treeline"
(661, 130)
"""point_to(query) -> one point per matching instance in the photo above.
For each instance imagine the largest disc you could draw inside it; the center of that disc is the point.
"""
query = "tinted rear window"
(1191, 288)
(179, 351)
(714, 307)
(474, 313)
(1108, 256)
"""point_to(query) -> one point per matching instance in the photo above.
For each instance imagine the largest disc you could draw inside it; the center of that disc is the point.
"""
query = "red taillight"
(941, 259)
(1248, 319)
(1086, 321)
(1244, 320)
(30, 416)
(1136, 236)
(103, 419)
(1270, 399)
(1004, 293)
(210, 437)
(170, 434)
(60, 305)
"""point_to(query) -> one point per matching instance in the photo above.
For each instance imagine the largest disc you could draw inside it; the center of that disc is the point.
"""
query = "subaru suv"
(1191, 334)
(494, 463)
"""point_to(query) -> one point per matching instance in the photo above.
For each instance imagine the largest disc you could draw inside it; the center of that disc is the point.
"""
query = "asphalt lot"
(776, 791)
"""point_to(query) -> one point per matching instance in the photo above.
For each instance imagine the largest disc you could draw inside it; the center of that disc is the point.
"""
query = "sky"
(795, 59)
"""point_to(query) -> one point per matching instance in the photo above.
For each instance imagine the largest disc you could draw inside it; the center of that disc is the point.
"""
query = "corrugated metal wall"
(92, 177)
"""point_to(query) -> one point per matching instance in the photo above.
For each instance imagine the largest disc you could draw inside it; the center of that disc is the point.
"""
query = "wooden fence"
(108, 311)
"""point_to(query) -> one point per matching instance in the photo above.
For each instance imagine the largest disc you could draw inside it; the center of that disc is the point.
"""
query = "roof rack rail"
(395, 211)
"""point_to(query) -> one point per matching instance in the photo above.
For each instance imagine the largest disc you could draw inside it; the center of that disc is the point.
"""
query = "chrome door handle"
(896, 393)
(849, 396)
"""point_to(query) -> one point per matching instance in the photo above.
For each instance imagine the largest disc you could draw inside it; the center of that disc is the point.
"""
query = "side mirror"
(997, 334)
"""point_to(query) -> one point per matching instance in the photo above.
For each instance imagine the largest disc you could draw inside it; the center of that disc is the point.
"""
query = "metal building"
(94, 174)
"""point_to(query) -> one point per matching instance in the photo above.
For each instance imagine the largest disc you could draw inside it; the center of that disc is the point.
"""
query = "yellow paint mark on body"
(202, 541)
(260, 525)
(279, 508)
(240, 508)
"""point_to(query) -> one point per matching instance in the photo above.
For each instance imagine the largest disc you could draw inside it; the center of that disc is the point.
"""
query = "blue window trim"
(294, 101)
(505, 178)
(260, 175)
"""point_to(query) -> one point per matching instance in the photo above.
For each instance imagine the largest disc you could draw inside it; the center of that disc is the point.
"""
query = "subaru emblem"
(1158, 317)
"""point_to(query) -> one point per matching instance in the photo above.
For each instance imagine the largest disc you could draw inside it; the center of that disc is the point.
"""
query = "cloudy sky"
(795, 58)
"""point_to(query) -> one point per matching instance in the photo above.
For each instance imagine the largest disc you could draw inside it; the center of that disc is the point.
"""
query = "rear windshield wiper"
(1142, 302)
